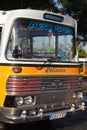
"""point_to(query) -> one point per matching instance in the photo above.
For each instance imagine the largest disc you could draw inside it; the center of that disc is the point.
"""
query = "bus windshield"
(32, 39)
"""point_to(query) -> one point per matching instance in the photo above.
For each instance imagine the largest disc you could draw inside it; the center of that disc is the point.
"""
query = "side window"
(0, 38)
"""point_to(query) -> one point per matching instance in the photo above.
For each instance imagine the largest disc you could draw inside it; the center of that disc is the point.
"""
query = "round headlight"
(19, 101)
(28, 100)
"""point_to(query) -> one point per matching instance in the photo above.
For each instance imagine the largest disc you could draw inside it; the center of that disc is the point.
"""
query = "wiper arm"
(54, 59)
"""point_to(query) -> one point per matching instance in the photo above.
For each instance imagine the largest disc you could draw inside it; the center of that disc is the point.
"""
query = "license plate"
(57, 115)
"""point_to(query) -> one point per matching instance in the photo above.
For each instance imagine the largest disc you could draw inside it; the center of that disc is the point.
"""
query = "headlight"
(28, 100)
(19, 101)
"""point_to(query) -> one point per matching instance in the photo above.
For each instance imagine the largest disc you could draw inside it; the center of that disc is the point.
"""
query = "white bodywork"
(7, 19)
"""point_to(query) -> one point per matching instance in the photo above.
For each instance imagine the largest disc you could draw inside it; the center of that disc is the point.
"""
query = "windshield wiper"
(54, 59)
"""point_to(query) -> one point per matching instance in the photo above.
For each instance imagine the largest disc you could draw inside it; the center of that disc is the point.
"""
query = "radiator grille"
(27, 83)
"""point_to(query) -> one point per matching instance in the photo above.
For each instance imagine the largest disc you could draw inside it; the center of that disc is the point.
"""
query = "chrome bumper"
(41, 115)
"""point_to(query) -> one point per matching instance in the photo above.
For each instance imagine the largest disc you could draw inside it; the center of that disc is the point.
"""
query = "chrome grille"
(37, 83)
(60, 82)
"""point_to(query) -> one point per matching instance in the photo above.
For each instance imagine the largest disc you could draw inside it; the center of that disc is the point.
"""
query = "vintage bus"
(83, 71)
(83, 66)
(39, 68)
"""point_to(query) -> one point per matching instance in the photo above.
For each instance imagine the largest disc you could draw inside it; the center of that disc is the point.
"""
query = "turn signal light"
(17, 69)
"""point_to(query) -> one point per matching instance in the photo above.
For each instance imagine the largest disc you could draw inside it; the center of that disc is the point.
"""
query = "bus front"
(43, 80)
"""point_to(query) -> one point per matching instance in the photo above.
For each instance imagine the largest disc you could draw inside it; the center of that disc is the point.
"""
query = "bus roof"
(34, 14)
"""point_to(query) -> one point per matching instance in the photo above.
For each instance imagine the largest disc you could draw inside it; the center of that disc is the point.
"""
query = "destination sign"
(53, 17)
(56, 28)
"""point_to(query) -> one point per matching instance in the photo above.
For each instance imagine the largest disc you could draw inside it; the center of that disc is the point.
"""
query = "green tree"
(79, 7)
(81, 52)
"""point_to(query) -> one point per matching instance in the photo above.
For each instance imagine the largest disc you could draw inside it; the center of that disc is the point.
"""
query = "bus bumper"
(24, 117)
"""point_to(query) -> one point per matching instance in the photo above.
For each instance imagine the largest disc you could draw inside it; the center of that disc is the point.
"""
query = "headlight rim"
(17, 99)
(26, 100)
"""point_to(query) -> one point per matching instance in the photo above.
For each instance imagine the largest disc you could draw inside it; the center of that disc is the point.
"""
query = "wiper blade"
(54, 59)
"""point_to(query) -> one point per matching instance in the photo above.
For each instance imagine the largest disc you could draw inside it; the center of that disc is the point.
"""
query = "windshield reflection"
(37, 39)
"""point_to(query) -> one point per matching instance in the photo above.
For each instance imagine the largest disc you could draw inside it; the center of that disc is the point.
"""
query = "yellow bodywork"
(84, 71)
(6, 71)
